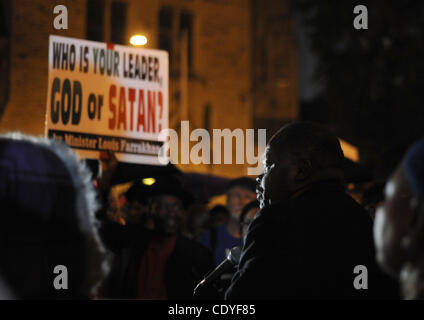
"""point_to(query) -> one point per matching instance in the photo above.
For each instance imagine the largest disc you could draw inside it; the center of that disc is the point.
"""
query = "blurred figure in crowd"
(217, 288)
(309, 235)
(5, 293)
(399, 224)
(218, 215)
(240, 192)
(48, 220)
(158, 262)
(194, 220)
(247, 215)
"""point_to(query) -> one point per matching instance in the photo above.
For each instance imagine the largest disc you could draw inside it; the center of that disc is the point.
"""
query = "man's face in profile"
(391, 223)
(237, 198)
(277, 179)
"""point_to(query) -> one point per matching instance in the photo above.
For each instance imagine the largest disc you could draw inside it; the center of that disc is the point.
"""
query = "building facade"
(232, 62)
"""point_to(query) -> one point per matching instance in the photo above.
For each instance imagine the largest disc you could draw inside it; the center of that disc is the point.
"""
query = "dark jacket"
(186, 267)
(307, 248)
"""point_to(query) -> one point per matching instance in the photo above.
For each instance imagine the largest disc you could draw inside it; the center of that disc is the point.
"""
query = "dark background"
(371, 81)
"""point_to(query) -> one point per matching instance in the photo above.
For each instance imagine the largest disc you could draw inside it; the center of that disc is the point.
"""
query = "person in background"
(135, 209)
(5, 293)
(48, 220)
(217, 216)
(399, 224)
(156, 263)
(239, 193)
(216, 289)
(247, 215)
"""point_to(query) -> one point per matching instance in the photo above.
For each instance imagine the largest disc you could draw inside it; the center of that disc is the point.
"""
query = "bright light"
(138, 40)
(148, 181)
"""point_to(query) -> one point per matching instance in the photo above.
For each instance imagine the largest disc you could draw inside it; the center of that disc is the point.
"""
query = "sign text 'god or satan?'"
(107, 97)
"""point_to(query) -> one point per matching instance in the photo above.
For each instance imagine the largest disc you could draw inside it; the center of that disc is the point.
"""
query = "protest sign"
(107, 97)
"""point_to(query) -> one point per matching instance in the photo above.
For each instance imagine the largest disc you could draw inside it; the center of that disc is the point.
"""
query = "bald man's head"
(297, 155)
(309, 141)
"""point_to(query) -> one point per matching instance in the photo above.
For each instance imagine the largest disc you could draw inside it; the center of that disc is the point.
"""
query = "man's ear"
(303, 170)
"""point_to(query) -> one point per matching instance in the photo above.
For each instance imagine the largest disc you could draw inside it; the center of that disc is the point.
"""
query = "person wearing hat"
(156, 263)
(399, 224)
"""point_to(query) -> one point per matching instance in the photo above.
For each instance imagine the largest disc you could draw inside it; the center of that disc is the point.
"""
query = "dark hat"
(163, 184)
(137, 192)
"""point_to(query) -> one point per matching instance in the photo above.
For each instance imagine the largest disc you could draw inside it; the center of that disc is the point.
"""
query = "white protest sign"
(107, 97)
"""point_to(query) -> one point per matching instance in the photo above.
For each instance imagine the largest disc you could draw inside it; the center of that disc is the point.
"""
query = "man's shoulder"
(269, 221)
(274, 213)
(330, 203)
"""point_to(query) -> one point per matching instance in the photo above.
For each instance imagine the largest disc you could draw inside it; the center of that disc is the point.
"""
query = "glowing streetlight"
(138, 40)
(148, 181)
